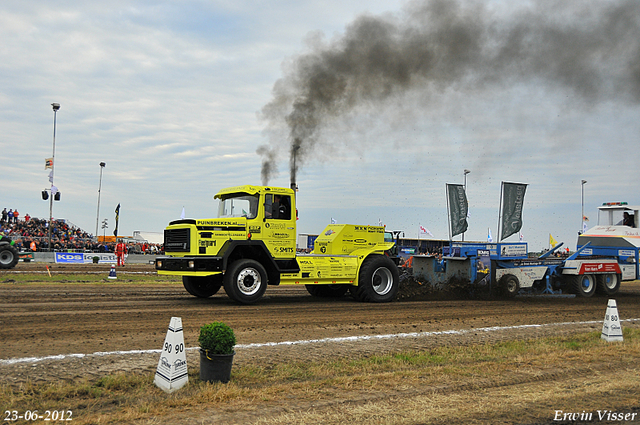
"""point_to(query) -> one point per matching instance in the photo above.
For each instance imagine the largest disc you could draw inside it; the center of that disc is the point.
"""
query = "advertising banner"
(512, 250)
(84, 257)
(115, 232)
(484, 262)
(458, 208)
(512, 203)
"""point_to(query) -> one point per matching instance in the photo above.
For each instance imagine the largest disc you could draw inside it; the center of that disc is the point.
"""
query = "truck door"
(279, 227)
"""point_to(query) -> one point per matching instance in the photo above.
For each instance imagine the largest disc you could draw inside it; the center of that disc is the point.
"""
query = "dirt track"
(46, 320)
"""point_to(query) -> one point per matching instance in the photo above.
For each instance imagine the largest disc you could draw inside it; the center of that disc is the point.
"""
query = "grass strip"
(506, 382)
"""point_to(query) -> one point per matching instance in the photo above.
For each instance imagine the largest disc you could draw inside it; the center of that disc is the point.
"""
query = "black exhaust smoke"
(588, 48)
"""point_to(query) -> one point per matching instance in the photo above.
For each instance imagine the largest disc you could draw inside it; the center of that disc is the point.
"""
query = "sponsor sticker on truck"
(586, 268)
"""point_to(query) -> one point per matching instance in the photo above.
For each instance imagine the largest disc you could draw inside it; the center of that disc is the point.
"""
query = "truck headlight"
(159, 264)
(192, 264)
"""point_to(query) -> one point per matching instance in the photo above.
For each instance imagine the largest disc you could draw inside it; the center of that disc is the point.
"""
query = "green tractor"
(8, 253)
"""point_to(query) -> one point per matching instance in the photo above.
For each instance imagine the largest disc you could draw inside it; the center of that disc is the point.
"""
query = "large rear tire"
(378, 280)
(202, 286)
(328, 291)
(583, 285)
(8, 256)
(608, 284)
(245, 281)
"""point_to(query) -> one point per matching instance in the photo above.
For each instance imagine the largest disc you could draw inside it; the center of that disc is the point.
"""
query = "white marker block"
(611, 329)
(171, 373)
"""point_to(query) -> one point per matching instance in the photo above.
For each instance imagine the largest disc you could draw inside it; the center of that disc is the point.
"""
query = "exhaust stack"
(293, 165)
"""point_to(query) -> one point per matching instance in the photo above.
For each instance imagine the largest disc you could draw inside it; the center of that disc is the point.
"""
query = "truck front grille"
(177, 240)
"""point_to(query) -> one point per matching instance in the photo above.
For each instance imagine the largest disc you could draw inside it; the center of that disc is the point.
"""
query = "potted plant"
(216, 352)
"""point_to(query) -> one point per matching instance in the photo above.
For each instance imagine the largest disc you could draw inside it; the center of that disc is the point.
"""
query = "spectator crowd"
(32, 234)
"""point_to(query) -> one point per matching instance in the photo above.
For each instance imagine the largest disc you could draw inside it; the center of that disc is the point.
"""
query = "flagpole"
(465, 195)
(448, 212)
(500, 210)
(582, 220)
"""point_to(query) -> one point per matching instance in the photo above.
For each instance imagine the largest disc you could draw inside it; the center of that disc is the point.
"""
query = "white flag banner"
(489, 237)
(425, 231)
(182, 215)
(333, 221)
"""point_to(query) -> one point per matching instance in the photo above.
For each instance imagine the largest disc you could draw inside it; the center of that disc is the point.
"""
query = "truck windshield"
(238, 205)
(611, 217)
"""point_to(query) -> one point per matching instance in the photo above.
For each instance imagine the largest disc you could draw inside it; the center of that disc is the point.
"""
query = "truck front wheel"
(202, 286)
(608, 283)
(245, 281)
(378, 280)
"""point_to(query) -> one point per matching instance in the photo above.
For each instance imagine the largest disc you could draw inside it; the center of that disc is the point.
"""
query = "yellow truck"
(252, 244)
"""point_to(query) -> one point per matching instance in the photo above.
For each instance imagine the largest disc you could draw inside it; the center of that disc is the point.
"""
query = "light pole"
(55, 106)
(465, 193)
(102, 165)
(582, 219)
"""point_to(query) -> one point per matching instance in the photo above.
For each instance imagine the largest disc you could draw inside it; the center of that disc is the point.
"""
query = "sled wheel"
(509, 285)
(378, 280)
(584, 285)
(608, 283)
(8, 256)
(245, 281)
(202, 286)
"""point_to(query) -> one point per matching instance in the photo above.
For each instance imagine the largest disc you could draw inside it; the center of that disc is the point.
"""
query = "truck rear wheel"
(583, 285)
(8, 256)
(509, 285)
(245, 281)
(608, 283)
(378, 280)
(202, 286)
(327, 291)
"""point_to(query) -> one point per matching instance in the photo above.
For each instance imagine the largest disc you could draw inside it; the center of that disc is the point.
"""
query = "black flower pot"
(215, 367)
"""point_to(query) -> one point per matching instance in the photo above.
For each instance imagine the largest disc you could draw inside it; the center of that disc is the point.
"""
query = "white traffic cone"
(611, 328)
(112, 272)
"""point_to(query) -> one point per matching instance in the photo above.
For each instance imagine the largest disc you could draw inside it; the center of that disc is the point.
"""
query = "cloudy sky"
(387, 101)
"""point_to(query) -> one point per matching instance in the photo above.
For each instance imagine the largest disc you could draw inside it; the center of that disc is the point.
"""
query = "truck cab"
(616, 235)
(268, 214)
(617, 227)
